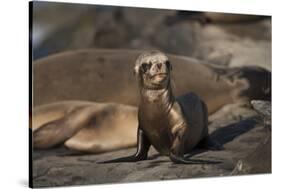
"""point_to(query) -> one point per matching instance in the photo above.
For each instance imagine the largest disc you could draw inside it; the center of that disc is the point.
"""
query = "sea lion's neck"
(161, 99)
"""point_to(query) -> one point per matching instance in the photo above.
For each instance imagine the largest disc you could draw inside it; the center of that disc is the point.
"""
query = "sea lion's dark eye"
(168, 64)
(145, 67)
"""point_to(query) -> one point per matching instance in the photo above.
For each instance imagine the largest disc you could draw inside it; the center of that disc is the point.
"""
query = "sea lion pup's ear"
(135, 72)
(138, 64)
(136, 69)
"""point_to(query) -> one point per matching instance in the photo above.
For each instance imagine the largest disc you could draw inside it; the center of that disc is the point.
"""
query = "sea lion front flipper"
(143, 146)
(177, 149)
(128, 159)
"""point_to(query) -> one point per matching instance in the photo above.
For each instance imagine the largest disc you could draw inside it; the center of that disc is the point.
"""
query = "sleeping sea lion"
(84, 126)
(104, 75)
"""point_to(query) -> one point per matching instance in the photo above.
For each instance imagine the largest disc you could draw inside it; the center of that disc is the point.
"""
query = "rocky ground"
(244, 134)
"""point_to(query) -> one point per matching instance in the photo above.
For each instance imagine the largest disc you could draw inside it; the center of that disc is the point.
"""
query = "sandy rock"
(262, 107)
(258, 161)
(236, 44)
(179, 39)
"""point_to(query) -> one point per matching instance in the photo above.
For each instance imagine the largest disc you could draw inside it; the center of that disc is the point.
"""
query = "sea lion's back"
(193, 108)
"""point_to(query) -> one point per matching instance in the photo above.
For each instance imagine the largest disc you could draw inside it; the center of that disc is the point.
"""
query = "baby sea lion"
(173, 126)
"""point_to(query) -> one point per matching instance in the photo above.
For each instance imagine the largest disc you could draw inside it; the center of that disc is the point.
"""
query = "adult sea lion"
(103, 75)
(172, 126)
(84, 126)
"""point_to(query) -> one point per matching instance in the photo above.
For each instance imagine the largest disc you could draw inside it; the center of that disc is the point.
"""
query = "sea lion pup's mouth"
(159, 76)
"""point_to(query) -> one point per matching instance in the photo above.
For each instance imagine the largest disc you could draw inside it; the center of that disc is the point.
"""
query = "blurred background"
(224, 39)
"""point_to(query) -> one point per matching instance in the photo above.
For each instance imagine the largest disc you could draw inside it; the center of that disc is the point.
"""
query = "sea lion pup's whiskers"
(174, 126)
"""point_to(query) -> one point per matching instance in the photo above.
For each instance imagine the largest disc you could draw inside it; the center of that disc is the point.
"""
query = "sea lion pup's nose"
(159, 65)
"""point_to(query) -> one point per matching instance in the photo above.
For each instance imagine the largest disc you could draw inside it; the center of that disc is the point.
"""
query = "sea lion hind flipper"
(178, 160)
(181, 160)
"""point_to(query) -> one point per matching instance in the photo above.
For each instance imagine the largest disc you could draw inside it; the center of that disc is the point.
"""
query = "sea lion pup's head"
(153, 69)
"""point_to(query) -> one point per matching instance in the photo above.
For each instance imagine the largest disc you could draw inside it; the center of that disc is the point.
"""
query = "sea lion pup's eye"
(145, 67)
(168, 64)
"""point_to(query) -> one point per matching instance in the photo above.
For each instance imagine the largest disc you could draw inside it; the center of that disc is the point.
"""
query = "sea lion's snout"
(153, 69)
(158, 71)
